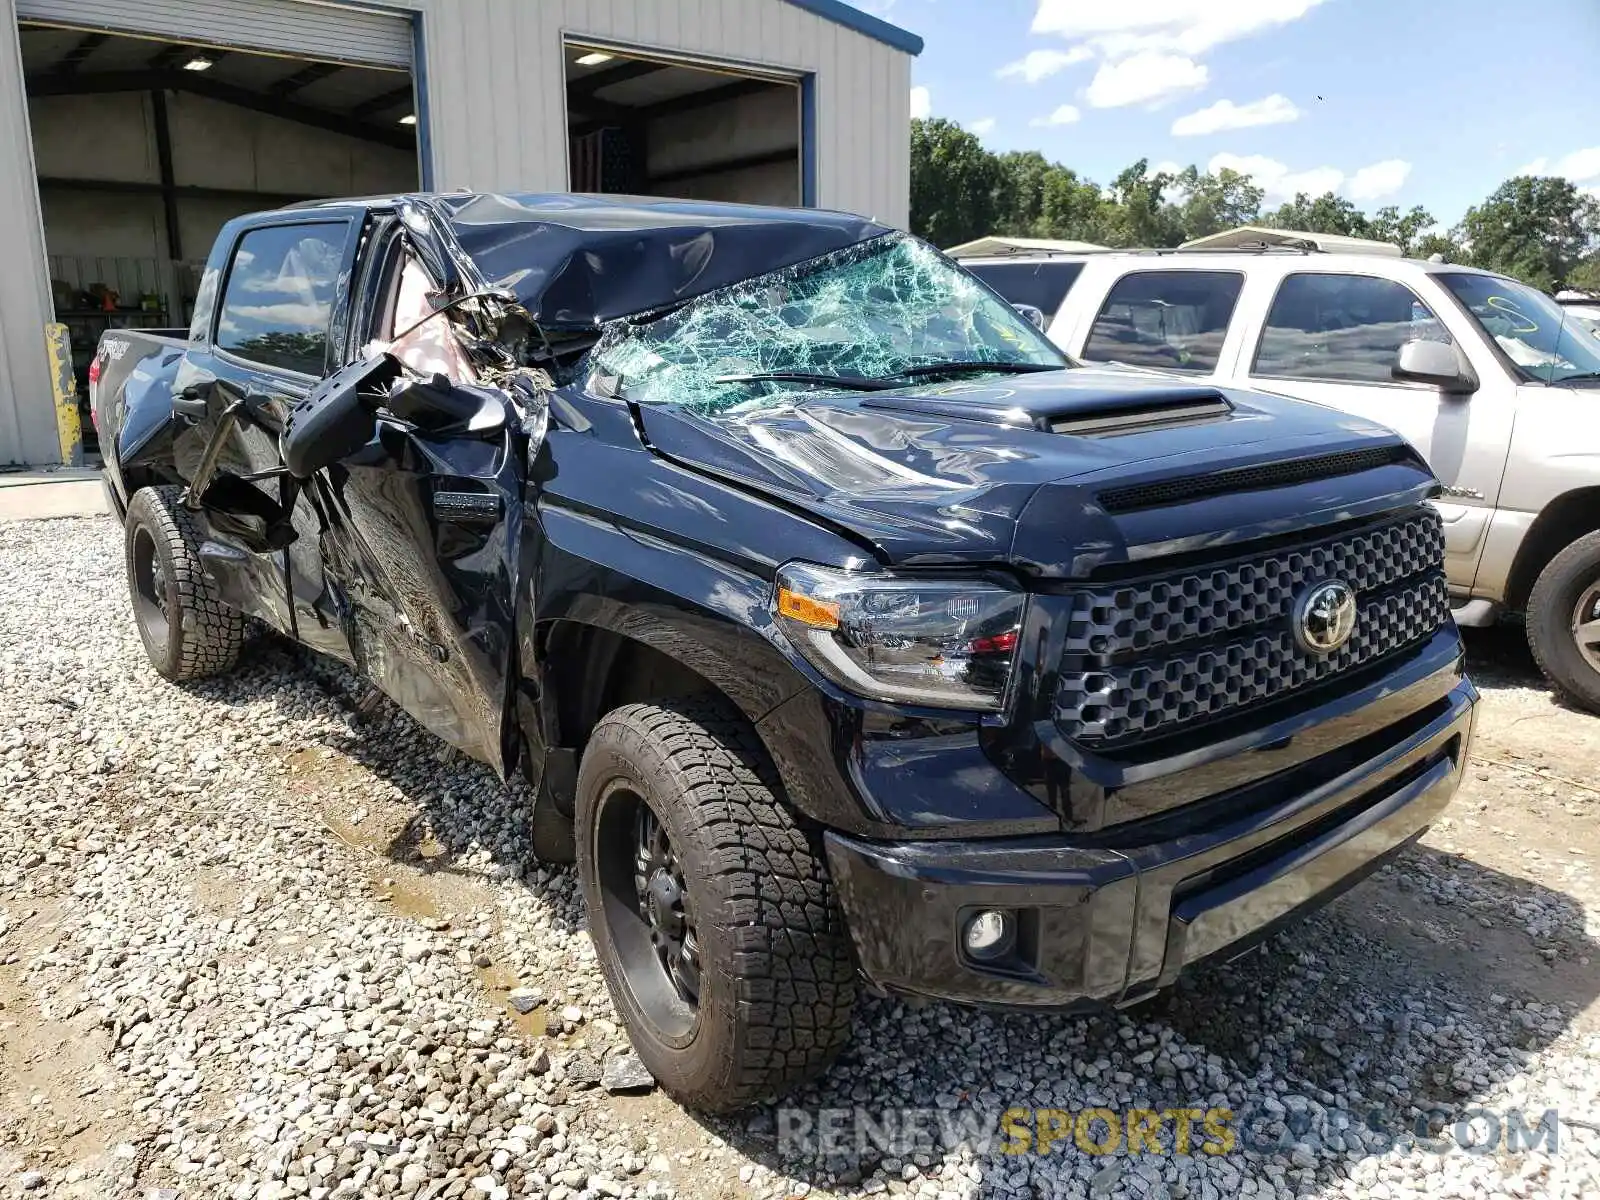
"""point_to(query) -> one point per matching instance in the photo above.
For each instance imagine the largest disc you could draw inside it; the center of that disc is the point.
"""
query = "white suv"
(1486, 377)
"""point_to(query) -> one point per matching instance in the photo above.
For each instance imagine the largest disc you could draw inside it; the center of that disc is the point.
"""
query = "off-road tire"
(777, 980)
(1549, 620)
(196, 635)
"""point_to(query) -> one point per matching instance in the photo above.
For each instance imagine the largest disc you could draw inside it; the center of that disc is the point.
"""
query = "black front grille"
(1245, 479)
(1159, 655)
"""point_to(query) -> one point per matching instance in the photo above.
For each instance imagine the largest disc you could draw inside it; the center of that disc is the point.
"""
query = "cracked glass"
(869, 312)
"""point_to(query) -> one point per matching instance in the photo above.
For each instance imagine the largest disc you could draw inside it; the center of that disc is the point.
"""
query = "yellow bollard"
(58, 342)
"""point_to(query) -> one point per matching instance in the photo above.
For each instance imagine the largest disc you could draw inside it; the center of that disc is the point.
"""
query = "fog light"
(989, 935)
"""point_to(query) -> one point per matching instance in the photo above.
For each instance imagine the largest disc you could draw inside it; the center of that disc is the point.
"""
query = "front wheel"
(188, 632)
(1564, 622)
(710, 908)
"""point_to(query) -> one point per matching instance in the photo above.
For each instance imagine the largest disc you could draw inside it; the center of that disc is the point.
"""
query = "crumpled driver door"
(423, 535)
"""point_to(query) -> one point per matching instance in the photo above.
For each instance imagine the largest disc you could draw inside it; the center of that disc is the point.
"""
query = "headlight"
(945, 643)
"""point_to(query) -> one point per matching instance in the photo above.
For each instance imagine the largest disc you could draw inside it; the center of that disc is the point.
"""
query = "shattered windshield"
(861, 317)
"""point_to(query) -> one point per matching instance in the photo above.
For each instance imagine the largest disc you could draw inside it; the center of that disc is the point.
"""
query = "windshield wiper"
(1581, 377)
(975, 366)
(854, 383)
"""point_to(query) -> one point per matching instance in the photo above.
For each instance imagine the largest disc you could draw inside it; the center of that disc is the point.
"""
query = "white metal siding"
(497, 101)
(306, 30)
(27, 413)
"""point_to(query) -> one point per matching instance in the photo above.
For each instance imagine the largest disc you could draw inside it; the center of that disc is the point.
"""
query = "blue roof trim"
(865, 23)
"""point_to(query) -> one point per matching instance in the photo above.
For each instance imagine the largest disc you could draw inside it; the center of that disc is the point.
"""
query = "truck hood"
(1057, 474)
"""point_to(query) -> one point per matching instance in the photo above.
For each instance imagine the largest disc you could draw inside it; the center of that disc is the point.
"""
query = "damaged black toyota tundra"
(849, 635)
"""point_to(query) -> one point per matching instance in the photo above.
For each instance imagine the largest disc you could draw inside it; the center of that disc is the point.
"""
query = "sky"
(1430, 102)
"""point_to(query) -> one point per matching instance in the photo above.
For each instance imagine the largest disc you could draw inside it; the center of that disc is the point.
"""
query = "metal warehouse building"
(134, 128)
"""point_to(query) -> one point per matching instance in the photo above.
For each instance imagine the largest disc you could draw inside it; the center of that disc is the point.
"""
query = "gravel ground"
(253, 945)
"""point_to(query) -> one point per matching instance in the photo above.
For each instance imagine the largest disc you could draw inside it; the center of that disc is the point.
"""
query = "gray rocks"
(271, 1009)
(625, 1073)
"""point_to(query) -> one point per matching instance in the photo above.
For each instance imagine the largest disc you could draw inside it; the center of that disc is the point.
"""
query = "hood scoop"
(1092, 411)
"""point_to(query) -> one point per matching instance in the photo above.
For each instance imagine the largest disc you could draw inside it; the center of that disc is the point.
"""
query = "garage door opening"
(655, 127)
(144, 148)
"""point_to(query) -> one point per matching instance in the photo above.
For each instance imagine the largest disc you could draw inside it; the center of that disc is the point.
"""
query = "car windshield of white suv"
(1545, 344)
(874, 316)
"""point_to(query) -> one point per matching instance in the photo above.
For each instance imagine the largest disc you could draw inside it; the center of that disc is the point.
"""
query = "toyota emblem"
(1325, 616)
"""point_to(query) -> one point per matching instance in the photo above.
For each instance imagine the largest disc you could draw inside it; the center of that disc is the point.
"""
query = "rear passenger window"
(278, 302)
(1169, 320)
(1346, 327)
(1044, 285)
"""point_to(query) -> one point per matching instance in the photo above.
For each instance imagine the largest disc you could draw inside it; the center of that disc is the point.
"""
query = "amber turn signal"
(819, 614)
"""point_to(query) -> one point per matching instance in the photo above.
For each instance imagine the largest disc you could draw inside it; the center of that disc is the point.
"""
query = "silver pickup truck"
(1488, 378)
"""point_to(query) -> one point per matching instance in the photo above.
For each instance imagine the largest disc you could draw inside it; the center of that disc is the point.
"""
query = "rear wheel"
(1564, 622)
(710, 907)
(188, 632)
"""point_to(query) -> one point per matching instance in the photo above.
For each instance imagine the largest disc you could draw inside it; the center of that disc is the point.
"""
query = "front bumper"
(1109, 920)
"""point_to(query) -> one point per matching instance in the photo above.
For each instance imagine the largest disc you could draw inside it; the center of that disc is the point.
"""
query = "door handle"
(191, 402)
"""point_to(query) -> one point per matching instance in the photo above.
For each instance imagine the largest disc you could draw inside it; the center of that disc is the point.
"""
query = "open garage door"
(657, 126)
(144, 145)
(314, 31)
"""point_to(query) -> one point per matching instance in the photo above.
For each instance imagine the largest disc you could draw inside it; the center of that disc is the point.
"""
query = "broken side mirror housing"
(439, 407)
(338, 417)
(1438, 363)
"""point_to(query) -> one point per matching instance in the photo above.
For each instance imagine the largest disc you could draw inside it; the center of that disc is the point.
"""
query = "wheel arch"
(1561, 522)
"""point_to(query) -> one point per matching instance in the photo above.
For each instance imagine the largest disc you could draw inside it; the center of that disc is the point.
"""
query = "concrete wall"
(112, 137)
(768, 122)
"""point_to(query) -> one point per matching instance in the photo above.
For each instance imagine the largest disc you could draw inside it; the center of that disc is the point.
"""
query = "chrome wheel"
(1586, 624)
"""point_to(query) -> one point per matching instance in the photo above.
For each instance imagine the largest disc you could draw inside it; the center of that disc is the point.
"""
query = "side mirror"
(1437, 363)
(1035, 315)
(338, 417)
(440, 408)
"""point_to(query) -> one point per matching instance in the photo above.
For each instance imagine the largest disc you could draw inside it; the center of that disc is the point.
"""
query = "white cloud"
(1041, 64)
(1275, 109)
(1275, 178)
(981, 126)
(1065, 115)
(1144, 79)
(1580, 164)
(1166, 167)
(921, 103)
(1380, 179)
(1174, 26)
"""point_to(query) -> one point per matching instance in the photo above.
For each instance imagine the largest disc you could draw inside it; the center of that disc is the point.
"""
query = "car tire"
(188, 632)
(773, 982)
(1565, 597)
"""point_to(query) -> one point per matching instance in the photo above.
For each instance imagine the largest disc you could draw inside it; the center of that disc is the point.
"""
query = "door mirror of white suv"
(1437, 363)
(1035, 315)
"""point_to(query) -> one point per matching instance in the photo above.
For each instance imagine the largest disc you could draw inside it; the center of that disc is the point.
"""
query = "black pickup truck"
(848, 633)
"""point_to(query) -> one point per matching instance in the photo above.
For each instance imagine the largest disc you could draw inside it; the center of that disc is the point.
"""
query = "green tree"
(1133, 212)
(1072, 208)
(1326, 214)
(1212, 203)
(954, 183)
(1024, 175)
(1387, 225)
(1538, 229)
(1445, 245)
(1585, 275)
